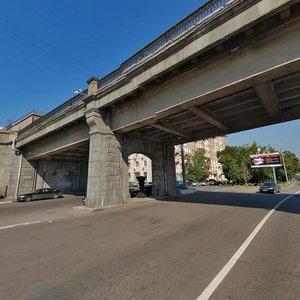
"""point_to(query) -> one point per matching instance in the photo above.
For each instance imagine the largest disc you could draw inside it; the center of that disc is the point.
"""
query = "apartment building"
(211, 146)
(140, 165)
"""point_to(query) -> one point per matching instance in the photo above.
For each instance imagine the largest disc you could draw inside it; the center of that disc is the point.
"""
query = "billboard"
(265, 160)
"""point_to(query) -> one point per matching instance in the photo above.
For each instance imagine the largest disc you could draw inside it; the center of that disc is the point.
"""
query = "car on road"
(203, 182)
(179, 184)
(269, 187)
(214, 182)
(45, 193)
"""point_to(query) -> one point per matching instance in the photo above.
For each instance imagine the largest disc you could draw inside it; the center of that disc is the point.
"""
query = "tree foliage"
(236, 164)
(197, 166)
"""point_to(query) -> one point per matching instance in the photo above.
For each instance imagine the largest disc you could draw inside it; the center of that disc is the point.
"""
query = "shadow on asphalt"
(251, 200)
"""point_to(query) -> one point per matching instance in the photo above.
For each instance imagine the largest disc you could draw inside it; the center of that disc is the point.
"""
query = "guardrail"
(200, 17)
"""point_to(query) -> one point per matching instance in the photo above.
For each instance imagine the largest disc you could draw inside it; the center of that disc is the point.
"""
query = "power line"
(37, 44)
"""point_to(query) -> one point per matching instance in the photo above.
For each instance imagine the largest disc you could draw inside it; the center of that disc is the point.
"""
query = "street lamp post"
(183, 166)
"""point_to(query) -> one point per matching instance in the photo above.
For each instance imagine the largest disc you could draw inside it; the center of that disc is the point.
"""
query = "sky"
(49, 49)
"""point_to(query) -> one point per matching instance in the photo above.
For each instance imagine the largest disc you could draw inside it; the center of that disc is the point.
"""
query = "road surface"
(220, 243)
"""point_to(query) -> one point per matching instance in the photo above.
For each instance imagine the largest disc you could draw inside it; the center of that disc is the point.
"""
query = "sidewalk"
(7, 200)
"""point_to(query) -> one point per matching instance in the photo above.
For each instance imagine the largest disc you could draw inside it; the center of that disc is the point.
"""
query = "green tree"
(197, 166)
(292, 165)
(231, 158)
(234, 172)
(238, 157)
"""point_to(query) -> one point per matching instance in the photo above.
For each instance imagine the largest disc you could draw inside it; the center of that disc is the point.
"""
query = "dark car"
(214, 182)
(179, 184)
(269, 187)
(45, 193)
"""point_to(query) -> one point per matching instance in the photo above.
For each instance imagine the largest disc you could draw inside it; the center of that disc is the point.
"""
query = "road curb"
(6, 202)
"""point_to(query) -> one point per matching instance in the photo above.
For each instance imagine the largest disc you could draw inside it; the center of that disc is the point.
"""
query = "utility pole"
(284, 167)
(183, 166)
(274, 174)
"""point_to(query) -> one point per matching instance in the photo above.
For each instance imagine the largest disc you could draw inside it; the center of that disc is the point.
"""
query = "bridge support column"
(105, 184)
(164, 175)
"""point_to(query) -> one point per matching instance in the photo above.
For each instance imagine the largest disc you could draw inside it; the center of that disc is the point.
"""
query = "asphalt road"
(171, 249)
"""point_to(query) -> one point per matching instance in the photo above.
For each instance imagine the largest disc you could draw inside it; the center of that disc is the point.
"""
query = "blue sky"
(50, 48)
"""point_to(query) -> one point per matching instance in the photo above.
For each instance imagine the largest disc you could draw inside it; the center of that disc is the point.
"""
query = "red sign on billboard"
(265, 160)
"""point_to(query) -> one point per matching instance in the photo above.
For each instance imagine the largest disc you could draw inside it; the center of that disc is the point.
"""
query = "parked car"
(179, 184)
(269, 187)
(204, 182)
(214, 182)
(45, 193)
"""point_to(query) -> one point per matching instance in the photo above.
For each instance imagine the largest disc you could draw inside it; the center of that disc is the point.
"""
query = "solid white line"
(221, 275)
(20, 224)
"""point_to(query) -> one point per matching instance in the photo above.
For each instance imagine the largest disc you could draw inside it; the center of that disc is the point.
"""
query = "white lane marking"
(221, 275)
(20, 224)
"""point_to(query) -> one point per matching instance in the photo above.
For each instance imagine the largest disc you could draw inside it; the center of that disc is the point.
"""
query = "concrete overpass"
(228, 67)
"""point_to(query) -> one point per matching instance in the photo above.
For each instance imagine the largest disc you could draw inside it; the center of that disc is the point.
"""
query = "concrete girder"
(170, 129)
(267, 96)
(209, 116)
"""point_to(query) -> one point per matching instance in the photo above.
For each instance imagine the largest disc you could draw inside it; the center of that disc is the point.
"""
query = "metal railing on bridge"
(200, 17)
(53, 114)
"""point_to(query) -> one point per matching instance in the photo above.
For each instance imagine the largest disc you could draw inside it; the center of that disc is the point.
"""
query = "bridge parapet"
(51, 116)
(200, 17)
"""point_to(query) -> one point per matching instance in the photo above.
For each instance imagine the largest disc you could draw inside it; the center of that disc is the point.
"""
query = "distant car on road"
(203, 182)
(214, 182)
(45, 193)
(269, 187)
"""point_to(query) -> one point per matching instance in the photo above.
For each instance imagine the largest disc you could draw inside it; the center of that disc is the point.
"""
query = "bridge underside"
(247, 80)
(269, 103)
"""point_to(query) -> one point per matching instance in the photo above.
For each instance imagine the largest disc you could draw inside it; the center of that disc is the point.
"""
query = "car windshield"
(269, 184)
(36, 191)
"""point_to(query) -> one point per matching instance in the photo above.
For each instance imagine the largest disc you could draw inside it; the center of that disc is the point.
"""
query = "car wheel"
(28, 198)
(55, 196)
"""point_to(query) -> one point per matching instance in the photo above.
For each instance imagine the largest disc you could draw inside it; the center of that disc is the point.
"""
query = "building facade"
(211, 146)
(140, 165)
